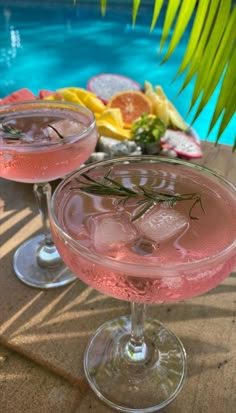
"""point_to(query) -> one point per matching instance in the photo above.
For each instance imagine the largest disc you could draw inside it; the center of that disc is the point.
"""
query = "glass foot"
(130, 386)
(30, 272)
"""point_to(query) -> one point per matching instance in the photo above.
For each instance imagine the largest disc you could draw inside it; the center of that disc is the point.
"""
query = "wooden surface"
(43, 334)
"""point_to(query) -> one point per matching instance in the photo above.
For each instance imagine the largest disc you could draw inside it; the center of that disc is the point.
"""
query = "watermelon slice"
(182, 144)
(44, 93)
(106, 85)
(18, 96)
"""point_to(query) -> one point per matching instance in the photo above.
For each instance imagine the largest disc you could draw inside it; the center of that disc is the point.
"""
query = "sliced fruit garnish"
(148, 88)
(69, 96)
(160, 108)
(175, 119)
(132, 105)
(109, 130)
(44, 93)
(182, 144)
(80, 92)
(163, 108)
(113, 116)
(18, 96)
(105, 85)
(94, 103)
(160, 92)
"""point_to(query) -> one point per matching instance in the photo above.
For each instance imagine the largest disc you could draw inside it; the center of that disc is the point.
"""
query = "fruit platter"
(131, 119)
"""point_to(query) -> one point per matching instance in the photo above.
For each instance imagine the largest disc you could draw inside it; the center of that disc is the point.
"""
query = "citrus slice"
(132, 105)
(105, 85)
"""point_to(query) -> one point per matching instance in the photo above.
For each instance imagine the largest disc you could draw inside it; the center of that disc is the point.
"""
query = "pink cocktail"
(145, 230)
(41, 141)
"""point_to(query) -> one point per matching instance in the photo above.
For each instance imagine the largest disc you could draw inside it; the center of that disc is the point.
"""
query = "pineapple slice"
(175, 119)
(109, 130)
(113, 116)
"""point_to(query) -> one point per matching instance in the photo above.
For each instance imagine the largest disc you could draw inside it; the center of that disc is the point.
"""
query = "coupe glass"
(174, 249)
(41, 141)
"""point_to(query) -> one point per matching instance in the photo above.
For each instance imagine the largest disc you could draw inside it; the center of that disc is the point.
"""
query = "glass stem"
(136, 348)
(42, 192)
(47, 254)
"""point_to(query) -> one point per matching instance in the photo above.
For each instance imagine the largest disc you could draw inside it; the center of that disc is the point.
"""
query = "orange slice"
(132, 104)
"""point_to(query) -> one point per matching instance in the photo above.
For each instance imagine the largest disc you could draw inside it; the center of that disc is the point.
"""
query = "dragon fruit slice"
(106, 85)
(182, 144)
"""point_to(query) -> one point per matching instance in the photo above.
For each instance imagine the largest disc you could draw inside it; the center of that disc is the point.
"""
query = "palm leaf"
(228, 114)
(202, 42)
(210, 51)
(227, 94)
(136, 4)
(171, 12)
(208, 55)
(229, 110)
(185, 14)
(103, 7)
(219, 63)
(196, 31)
(156, 12)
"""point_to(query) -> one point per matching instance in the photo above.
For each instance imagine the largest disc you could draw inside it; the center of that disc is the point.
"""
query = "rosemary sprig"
(13, 134)
(145, 196)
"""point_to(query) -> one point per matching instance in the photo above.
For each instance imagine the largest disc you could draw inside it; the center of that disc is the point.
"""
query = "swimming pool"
(49, 45)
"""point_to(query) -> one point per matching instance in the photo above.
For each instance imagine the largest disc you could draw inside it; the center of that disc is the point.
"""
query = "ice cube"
(66, 128)
(109, 230)
(159, 224)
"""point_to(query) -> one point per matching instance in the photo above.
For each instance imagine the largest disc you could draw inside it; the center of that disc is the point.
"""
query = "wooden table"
(43, 334)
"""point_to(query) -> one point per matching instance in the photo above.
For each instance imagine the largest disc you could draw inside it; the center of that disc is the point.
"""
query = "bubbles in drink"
(7, 156)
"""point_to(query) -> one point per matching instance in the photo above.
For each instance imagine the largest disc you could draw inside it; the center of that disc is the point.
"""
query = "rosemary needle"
(57, 132)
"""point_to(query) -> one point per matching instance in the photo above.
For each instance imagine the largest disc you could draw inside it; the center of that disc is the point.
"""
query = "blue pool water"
(52, 46)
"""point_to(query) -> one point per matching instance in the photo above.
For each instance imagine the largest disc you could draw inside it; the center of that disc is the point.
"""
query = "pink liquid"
(171, 267)
(46, 157)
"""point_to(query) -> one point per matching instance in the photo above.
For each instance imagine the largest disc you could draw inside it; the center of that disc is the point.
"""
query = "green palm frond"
(197, 27)
(185, 14)
(156, 12)
(136, 4)
(172, 10)
(103, 7)
(204, 32)
(227, 96)
(220, 61)
(210, 54)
